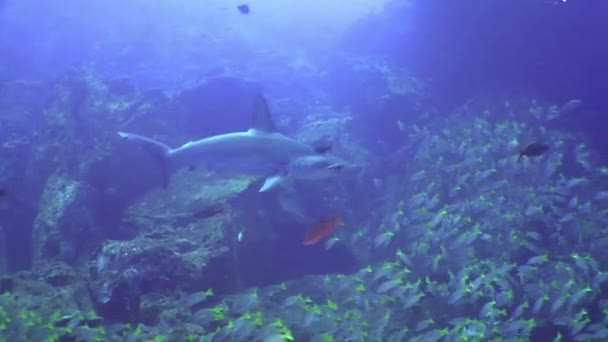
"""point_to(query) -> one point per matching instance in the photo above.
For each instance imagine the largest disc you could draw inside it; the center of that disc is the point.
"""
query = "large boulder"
(64, 228)
(178, 233)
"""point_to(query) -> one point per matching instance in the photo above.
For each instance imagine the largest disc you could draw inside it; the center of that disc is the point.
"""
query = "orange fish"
(321, 230)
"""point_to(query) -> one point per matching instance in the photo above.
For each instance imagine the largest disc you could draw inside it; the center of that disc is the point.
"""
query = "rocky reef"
(94, 249)
(103, 239)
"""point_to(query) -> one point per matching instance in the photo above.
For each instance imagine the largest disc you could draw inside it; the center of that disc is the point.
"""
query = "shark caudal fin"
(159, 151)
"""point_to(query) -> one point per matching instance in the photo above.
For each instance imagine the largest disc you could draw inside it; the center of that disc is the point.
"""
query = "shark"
(259, 151)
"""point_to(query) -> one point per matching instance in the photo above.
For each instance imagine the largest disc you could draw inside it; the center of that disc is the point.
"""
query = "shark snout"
(346, 166)
(336, 167)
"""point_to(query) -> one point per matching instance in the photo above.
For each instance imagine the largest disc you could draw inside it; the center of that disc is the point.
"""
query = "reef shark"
(259, 151)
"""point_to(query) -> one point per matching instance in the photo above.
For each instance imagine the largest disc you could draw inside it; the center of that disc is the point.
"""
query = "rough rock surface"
(178, 232)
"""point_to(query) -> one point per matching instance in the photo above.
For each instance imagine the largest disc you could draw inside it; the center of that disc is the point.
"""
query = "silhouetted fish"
(570, 106)
(244, 8)
(535, 149)
(325, 148)
(323, 145)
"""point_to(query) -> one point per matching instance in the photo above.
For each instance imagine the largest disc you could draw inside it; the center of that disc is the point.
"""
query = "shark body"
(259, 151)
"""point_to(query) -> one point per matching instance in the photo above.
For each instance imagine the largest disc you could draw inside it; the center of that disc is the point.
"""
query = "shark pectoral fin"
(272, 182)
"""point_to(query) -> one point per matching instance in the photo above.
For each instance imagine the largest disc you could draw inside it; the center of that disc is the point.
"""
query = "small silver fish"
(570, 106)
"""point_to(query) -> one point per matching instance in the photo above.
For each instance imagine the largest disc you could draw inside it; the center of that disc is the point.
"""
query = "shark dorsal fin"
(262, 120)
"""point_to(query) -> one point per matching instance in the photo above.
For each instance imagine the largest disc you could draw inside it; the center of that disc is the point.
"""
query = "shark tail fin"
(159, 151)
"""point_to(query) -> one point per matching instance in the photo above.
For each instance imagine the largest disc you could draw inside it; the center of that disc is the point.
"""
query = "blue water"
(453, 228)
